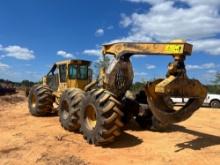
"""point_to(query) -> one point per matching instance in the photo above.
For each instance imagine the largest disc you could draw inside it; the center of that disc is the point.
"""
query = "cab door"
(62, 77)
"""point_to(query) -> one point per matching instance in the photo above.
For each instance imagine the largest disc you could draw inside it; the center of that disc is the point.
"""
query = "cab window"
(73, 71)
(78, 72)
(83, 72)
(62, 71)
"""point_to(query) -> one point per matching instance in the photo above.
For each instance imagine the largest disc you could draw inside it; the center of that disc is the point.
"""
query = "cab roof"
(75, 61)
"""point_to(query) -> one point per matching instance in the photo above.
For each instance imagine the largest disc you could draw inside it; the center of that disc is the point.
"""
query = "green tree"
(101, 63)
(27, 83)
(137, 86)
(215, 87)
(104, 62)
(217, 79)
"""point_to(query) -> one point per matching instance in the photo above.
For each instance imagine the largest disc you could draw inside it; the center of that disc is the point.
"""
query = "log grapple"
(119, 77)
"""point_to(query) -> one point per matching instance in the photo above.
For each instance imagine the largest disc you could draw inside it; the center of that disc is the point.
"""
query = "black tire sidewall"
(63, 98)
(35, 111)
(71, 123)
(215, 104)
(90, 100)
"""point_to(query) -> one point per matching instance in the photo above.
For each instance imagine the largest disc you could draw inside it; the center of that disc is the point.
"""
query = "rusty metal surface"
(164, 113)
(119, 77)
(122, 48)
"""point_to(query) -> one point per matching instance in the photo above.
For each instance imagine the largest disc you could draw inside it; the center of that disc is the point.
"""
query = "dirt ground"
(25, 139)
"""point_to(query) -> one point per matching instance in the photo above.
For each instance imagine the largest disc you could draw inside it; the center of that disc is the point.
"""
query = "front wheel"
(100, 117)
(40, 100)
(69, 107)
(215, 104)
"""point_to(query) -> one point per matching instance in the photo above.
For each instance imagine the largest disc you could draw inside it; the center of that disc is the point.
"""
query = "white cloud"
(99, 32)
(110, 27)
(17, 52)
(203, 66)
(191, 2)
(140, 73)
(209, 65)
(64, 54)
(92, 52)
(139, 56)
(199, 22)
(190, 67)
(211, 46)
(146, 1)
(208, 76)
(4, 66)
(202, 2)
(150, 66)
(212, 71)
(162, 24)
(126, 21)
(132, 38)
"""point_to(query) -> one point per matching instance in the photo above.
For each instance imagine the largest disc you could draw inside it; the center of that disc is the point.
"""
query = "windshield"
(83, 72)
(72, 71)
(78, 72)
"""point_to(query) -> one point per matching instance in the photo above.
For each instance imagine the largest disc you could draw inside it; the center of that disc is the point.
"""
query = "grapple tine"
(164, 113)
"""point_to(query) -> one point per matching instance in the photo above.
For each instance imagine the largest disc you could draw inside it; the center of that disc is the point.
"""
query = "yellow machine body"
(176, 83)
(67, 74)
(175, 48)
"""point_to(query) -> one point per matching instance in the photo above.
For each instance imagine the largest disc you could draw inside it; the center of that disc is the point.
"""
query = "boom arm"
(129, 48)
(176, 84)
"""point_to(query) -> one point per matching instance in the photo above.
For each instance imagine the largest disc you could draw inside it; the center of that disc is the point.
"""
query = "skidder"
(101, 107)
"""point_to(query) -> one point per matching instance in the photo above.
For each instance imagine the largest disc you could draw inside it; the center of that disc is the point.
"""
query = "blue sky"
(36, 33)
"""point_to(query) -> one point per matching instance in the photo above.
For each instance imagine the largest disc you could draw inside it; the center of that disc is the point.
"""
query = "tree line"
(23, 83)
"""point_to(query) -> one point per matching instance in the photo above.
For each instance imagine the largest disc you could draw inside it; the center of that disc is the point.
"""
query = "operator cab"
(69, 73)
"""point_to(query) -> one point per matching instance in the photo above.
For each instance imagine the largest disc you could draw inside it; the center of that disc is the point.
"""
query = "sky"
(36, 33)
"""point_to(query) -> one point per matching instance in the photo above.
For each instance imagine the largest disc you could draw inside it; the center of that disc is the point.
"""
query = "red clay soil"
(26, 139)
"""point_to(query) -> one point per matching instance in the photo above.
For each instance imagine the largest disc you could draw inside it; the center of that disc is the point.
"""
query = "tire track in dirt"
(41, 140)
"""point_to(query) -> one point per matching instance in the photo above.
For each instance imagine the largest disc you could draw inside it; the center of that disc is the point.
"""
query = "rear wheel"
(145, 118)
(40, 100)
(215, 104)
(100, 117)
(145, 121)
(69, 107)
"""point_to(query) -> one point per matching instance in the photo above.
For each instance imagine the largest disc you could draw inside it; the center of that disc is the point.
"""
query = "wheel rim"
(215, 104)
(33, 101)
(90, 117)
(65, 110)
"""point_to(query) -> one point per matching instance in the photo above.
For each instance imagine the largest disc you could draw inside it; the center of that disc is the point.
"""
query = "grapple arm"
(128, 48)
(176, 83)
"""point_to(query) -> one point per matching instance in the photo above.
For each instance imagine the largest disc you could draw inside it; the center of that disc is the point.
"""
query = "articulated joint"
(177, 68)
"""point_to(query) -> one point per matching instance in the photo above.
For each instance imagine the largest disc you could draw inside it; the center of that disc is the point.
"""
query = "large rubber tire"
(147, 120)
(106, 117)
(40, 100)
(69, 108)
(215, 104)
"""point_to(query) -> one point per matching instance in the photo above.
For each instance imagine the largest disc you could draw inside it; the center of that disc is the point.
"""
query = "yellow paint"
(174, 49)
(70, 83)
(122, 48)
(161, 87)
(77, 83)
